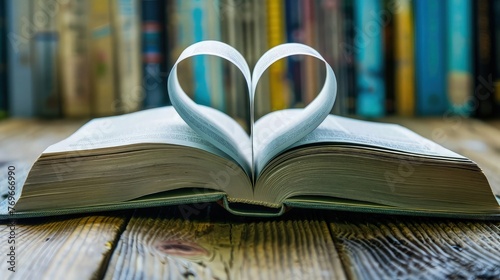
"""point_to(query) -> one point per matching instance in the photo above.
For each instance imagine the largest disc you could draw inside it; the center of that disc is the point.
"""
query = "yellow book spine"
(101, 59)
(276, 36)
(404, 77)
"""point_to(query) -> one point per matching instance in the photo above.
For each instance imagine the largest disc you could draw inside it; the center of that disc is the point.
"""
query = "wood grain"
(381, 247)
(162, 244)
(165, 243)
(61, 248)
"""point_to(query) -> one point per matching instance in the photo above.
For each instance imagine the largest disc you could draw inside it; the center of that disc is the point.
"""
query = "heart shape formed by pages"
(252, 153)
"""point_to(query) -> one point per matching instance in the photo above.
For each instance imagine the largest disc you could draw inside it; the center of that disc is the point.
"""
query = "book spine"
(102, 72)
(430, 57)
(333, 16)
(390, 57)
(207, 75)
(277, 71)
(263, 100)
(310, 73)
(200, 67)
(19, 37)
(74, 59)
(45, 66)
(212, 31)
(348, 55)
(127, 50)
(496, 17)
(404, 75)
(153, 58)
(3, 62)
(236, 106)
(370, 82)
(295, 63)
(484, 91)
(182, 23)
(459, 59)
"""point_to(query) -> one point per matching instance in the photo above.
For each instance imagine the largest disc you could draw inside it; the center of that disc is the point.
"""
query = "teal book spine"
(3, 61)
(459, 54)
(430, 57)
(21, 97)
(197, 21)
(368, 45)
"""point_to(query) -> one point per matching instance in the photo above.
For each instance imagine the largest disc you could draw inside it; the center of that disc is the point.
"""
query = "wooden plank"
(469, 137)
(161, 243)
(76, 247)
(382, 247)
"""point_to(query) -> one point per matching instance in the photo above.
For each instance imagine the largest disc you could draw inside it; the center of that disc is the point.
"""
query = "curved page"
(205, 124)
(284, 134)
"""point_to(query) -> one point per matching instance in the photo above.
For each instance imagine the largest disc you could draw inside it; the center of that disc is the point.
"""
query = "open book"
(296, 158)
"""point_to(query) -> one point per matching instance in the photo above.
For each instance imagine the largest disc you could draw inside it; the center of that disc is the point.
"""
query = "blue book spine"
(3, 62)
(153, 56)
(459, 59)
(45, 50)
(21, 97)
(430, 57)
(293, 31)
(368, 44)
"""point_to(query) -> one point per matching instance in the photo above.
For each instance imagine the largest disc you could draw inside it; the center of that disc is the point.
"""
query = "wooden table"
(209, 243)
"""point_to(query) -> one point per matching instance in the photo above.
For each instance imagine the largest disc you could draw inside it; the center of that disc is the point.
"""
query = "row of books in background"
(86, 58)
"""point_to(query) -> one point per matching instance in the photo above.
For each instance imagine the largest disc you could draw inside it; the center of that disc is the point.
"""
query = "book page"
(280, 136)
(335, 129)
(202, 120)
(159, 125)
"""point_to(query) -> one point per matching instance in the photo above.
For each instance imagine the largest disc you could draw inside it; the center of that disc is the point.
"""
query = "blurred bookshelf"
(91, 58)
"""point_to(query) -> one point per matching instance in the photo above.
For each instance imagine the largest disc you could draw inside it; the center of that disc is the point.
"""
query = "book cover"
(483, 102)
(3, 61)
(21, 96)
(430, 57)
(127, 52)
(74, 59)
(154, 61)
(277, 72)
(404, 73)
(102, 62)
(459, 54)
(368, 43)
